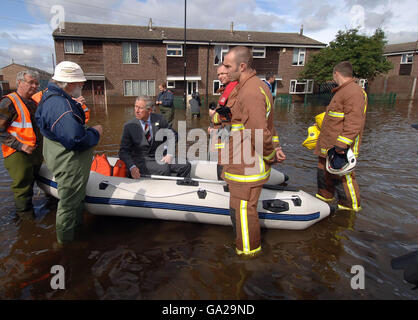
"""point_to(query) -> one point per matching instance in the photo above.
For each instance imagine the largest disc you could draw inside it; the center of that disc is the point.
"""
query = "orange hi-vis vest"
(38, 96)
(21, 127)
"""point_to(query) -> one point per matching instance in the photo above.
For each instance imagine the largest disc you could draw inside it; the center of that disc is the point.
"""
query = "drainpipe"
(207, 77)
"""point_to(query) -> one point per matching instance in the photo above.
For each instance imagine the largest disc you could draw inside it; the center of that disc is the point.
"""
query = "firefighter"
(252, 133)
(341, 131)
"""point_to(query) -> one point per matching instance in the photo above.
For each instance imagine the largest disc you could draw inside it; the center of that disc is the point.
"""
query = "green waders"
(71, 170)
(22, 168)
(167, 113)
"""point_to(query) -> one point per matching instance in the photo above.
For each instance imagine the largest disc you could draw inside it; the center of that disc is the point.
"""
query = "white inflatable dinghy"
(194, 200)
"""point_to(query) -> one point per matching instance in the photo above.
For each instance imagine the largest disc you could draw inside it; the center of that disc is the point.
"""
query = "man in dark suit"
(142, 147)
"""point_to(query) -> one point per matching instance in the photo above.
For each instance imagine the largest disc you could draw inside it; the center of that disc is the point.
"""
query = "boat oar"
(186, 180)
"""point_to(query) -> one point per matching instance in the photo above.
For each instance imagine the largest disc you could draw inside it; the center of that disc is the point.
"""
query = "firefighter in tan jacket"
(253, 147)
(342, 128)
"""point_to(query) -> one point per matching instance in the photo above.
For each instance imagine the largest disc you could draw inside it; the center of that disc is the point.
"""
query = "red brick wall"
(287, 71)
(401, 85)
(10, 72)
(151, 66)
(396, 61)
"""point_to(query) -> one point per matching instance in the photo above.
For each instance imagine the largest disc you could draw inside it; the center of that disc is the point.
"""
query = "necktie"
(147, 133)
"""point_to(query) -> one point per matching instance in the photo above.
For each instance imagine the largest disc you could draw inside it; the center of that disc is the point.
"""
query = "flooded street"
(127, 258)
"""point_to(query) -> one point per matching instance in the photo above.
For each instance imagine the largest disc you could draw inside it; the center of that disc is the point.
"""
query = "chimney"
(150, 24)
(301, 30)
(232, 27)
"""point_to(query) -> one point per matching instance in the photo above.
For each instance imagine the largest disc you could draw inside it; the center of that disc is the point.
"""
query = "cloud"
(27, 44)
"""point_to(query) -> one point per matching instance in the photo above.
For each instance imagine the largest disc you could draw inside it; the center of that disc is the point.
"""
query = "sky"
(26, 25)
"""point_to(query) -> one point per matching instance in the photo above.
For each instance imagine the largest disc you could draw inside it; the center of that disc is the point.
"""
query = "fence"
(323, 99)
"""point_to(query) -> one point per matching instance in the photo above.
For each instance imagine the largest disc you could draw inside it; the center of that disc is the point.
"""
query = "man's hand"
(211, 112)
(135, 173)
(280, 156)
(99, 128)
(167, 159)
(80, 100)
(28, 149)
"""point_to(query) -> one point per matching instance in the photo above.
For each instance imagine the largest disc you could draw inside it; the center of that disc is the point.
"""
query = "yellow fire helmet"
(319, 118)
(313, 134)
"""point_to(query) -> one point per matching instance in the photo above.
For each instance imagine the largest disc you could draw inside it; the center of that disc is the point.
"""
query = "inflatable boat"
(197, 199)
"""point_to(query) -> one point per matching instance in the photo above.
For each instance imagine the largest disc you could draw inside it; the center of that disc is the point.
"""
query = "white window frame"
(171, 84)
(72, 51)
(259, 50)
(135, 94)
(405, 56)
(224, 50)
(308, 84)
(213, 87)
(130, 55)
(174, 47)
(301, 51)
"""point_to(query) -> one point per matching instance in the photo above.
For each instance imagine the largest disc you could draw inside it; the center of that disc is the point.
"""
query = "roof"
(27, 68)
(401, 47)
(158, 33)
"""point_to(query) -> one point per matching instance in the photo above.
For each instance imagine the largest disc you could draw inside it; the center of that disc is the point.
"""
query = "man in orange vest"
(38, 96)
(21, 140)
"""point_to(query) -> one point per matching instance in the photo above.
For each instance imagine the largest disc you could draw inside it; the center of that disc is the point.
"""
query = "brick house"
(122, 61)
(10, 72)
(402, 79)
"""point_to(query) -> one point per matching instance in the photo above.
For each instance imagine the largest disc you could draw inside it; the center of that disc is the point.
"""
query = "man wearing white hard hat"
(68, 145)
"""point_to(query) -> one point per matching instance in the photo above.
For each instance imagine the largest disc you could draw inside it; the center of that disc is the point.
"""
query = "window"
(298, 87)
(220, 52)
(139, 87)
(259, 52)
(73, 46)
(407, 58)
(171, 84)
(130, 52)
(298, 57)
(174, 50)
(216, 86)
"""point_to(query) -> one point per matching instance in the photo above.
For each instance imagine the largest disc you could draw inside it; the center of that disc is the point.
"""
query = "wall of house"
(396, 61)
(287, 71)
(10, 73)
(151, 66)
(401, 85)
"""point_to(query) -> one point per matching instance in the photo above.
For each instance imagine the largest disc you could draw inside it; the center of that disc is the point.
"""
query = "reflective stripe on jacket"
(21, 127)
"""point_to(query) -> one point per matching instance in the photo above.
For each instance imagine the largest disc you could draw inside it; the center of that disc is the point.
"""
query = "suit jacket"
(134, 147)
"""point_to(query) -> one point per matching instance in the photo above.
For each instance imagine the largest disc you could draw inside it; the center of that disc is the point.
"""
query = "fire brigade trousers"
(244, 216)
(346, 187)
(22, 168)
(71, 170)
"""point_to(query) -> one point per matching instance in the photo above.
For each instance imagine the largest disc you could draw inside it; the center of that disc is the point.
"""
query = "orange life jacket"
(38, 96)
(101, 165)
(21, 128)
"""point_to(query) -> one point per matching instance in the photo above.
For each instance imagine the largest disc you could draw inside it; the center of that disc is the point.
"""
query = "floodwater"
(127, 258)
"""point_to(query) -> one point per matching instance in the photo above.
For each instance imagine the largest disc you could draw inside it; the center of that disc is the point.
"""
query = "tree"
(365, 54)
